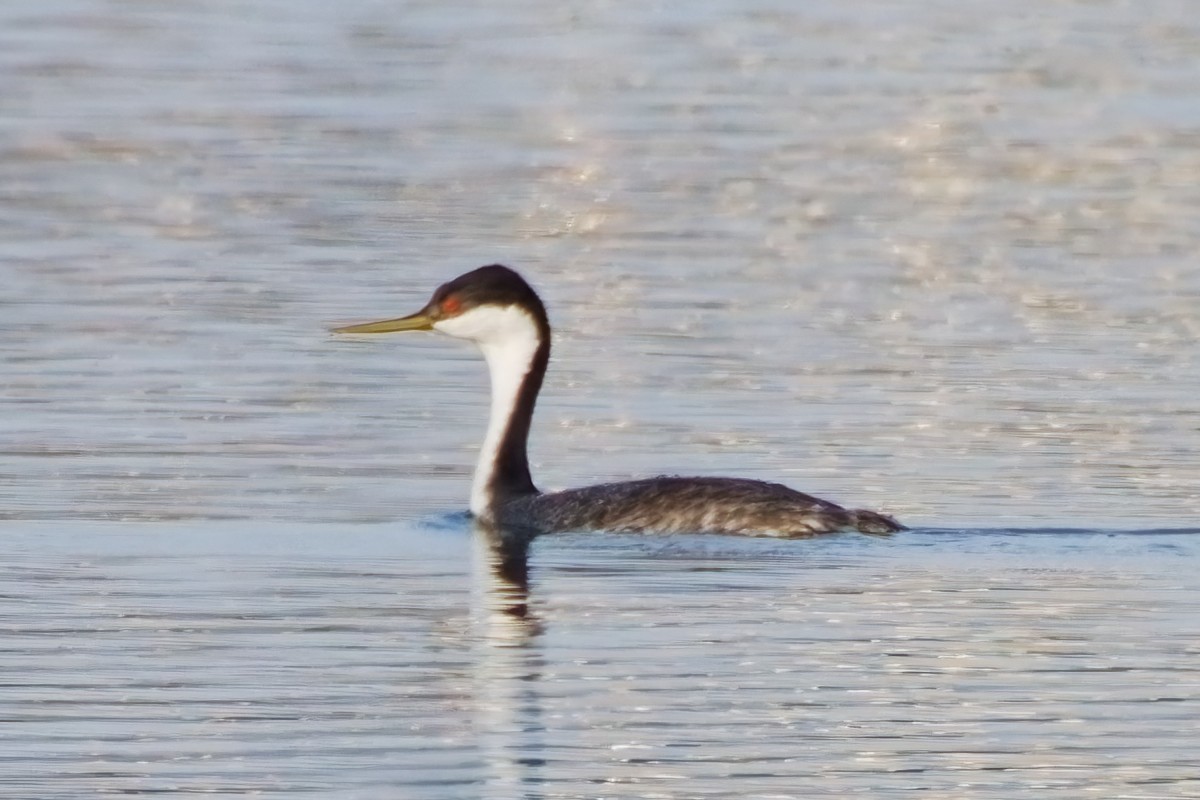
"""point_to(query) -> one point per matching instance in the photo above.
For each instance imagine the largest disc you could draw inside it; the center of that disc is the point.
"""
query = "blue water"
(369, 660)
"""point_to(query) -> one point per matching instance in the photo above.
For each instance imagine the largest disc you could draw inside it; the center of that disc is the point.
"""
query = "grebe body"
(494, 307)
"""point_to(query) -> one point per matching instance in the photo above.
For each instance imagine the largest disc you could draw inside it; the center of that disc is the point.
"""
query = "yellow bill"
(420, 321)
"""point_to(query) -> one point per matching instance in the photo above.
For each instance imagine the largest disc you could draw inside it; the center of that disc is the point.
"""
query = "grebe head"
(491, 306)
(495, 308)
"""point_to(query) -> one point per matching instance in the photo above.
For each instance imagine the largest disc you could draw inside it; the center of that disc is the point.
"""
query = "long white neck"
(516, 356)
(508, 363)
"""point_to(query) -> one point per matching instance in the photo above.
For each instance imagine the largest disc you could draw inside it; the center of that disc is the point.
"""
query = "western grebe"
(494, 307)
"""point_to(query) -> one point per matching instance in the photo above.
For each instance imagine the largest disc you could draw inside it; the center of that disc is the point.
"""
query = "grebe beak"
(420, 321)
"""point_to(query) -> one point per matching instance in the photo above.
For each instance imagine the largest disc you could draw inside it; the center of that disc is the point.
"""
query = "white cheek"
(507, 335)
(486, 324)
(460, 327)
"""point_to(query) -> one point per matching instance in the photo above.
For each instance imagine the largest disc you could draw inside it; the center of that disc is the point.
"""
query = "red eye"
(451, 305)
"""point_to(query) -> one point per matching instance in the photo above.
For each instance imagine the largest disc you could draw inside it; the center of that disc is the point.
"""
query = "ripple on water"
(344, 661)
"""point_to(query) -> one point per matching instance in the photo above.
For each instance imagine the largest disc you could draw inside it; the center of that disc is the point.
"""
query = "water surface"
(939, 259)
(367, 661)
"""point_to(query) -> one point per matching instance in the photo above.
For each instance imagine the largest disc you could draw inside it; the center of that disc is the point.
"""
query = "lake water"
(934, 258)
(383, 661)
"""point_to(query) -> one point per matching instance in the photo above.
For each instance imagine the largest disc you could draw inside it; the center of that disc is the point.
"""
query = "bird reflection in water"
(502, 573)
(508, 667)
(508, 562)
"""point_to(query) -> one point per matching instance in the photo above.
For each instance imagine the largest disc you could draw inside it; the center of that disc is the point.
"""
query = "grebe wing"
(669, 504)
